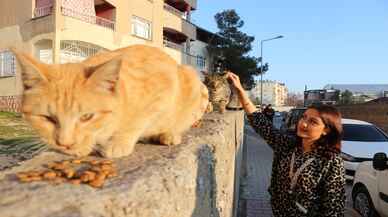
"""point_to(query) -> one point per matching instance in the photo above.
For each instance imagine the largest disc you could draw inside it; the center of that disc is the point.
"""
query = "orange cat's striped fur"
(110, 101)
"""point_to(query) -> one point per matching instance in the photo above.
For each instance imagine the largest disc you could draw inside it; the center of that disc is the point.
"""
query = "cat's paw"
(116, 151)
(170, 139)
(209, 108)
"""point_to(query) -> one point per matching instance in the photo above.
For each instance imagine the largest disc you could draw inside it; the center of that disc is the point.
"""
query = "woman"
(308, 175)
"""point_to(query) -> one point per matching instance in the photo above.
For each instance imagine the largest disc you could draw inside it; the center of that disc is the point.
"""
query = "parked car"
(370, 187)
(360, 142)
(291, 119)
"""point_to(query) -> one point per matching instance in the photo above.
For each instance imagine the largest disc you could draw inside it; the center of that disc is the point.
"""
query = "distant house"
(325, 96)
(274, 93)
(362, 92)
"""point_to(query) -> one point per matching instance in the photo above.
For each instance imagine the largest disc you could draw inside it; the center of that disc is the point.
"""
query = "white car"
(370, 187)
(360, 142)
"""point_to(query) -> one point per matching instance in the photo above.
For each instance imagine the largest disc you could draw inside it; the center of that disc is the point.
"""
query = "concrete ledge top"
(154, 181)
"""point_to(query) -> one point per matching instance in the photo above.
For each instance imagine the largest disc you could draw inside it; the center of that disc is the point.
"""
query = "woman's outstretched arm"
(279, 142)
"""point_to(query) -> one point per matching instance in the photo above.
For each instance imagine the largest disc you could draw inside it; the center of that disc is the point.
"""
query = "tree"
(346, 97)
(232, 46)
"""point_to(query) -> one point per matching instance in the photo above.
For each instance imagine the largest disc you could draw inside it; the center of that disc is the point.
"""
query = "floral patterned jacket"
(320, 187)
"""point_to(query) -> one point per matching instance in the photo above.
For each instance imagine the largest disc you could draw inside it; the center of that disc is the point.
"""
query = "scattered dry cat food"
(197, 124)
(77, 171)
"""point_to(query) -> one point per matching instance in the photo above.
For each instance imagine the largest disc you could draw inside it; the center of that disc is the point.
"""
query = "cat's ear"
(105, 76)
(224, 74)
(32, 71)
(205, 73)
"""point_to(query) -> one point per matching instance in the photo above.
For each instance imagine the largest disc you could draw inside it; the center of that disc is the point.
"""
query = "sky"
(325, 41)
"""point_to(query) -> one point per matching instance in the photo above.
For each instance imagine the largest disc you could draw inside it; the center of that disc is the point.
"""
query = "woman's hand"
(235, 81)
(242, 96)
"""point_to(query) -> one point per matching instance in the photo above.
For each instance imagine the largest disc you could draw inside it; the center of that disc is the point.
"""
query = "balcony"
(43, 11)
(100, 21)
(99, 12)
(177, 20)
(173, 45)
(173, 38)
(176, 51)
(174, 11)
(182, 5)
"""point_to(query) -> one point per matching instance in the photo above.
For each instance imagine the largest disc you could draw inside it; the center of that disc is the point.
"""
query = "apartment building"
(274, 93)
(62, 31)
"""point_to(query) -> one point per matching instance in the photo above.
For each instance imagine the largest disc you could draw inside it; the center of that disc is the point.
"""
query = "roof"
(360, 88)
(354, 121)
(205, 35)
(381, 100)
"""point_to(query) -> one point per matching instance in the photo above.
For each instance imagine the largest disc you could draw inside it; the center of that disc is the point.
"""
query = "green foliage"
(10, 115)
(346, 97)
(17, 138)
(232, 46)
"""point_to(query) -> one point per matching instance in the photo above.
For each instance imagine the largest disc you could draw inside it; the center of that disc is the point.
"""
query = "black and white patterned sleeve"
(278, 141)
(333, 198)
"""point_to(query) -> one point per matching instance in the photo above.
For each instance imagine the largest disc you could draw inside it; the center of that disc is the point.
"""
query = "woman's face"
(311, 126)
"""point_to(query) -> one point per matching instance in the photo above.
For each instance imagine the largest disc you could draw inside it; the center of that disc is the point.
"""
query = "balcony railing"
(43, 11)
(172, 45)
(174, 11)
(88, 18)
(76, 51)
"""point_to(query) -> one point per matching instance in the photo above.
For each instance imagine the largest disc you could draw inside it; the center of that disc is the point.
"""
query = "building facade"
(361, 92)
(62, 31)
(274, 93)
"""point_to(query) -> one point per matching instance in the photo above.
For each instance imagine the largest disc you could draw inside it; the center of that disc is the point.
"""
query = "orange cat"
(110, 101)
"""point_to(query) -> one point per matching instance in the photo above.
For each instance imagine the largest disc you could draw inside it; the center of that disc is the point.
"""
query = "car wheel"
(362, 203)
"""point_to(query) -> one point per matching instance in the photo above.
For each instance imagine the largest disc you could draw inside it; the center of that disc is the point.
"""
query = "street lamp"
(261, 65)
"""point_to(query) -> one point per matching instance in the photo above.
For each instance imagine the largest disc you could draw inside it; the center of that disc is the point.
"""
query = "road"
(254, 197)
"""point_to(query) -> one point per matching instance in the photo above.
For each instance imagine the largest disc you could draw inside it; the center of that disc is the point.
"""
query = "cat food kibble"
(75, 181)
(49, 175)
(76, 161)
(76, 172)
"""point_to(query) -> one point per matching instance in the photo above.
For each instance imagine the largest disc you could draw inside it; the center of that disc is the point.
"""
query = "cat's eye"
(51, 119)
(86, 117)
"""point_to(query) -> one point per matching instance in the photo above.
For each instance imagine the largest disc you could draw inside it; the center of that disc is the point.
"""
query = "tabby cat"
(221, 94)
(109, 101)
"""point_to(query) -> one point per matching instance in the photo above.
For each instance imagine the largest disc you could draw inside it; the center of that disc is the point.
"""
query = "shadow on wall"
(206, 195)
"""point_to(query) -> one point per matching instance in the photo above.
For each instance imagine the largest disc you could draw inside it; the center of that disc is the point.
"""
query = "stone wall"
(373, 113)
(194, 179)
(10, 103)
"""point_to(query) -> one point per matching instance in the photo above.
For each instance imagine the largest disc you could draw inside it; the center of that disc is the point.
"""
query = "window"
(141, 28)
(7, 64)
(201, 61)
(363, 133)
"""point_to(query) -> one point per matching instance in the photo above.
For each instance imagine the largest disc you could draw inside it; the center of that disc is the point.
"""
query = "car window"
(363, 133)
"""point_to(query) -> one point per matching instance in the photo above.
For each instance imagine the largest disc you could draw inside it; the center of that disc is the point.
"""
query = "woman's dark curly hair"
(331, 117)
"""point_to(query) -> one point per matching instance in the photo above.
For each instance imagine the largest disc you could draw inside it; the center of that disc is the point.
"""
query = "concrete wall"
(376, 114)
(198, 178)
(10, 86)
(15, 12)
